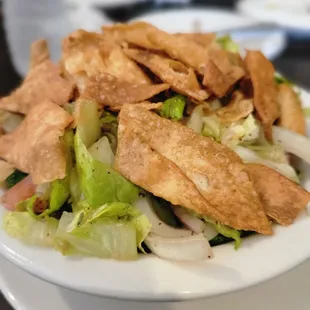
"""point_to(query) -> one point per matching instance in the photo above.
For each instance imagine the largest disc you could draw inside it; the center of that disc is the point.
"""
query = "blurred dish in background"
(271, 41)
(104, 3)
(294, 15)
(26, 21)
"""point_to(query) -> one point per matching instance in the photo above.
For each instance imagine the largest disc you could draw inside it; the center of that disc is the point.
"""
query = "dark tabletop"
(294, 62)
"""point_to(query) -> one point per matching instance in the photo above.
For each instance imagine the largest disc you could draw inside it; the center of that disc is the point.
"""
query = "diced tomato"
(21, 191)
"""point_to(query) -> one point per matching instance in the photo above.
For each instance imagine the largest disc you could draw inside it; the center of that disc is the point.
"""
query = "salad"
(141, 141)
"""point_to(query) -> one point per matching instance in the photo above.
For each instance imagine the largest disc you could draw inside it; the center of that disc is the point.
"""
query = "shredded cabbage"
(241, 132)
(23, 226)
(226, 231)
(113, 230)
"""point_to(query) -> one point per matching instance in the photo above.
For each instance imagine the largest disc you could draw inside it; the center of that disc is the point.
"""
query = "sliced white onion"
(193, 248)
(250, 156)
(194, 224)
(159, 227)
(292, 142)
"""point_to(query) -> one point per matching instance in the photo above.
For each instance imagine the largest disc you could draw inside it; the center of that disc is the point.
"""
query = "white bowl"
(150, 278)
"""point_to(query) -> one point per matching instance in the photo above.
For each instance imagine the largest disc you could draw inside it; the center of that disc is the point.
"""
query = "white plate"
(271, 43)
(25, 292)
(150, 278)
(263, 11)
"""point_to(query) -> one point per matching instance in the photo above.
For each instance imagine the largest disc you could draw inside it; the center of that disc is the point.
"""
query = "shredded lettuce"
(228, 44)
(23, 226)
(306, 112)
(99, 182)
(75, 190)
(242, 132)
(212, 127)
(226, 231)
(279, 79)
(114, 230)
(107, 117)
(57, 192)
(173, 108)
(88, 121)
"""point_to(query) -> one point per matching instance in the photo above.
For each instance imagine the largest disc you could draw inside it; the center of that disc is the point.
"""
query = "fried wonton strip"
(35, 146)
(265, 93)
(291, 114)
(282, 198)
(6, 169)
(217, 172)
(237, 109)
(39, 53)
(180, 48)
(222, 71)
(142, 165)
(182, 79)
(203, 39)
(93, 54)
(43, 83)
(112, 92)
(135, 33)
(147, 36)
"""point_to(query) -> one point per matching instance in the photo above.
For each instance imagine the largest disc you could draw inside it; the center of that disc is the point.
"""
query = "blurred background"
(280, 28)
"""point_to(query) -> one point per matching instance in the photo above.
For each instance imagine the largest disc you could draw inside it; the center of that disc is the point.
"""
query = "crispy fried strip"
(142, 165)
(135, 33)
(203, 39)
(93, 54)
(43, 83)
(282, 198)
(35, 146)
(222, 71)
(237, 108)
(265, 93)
(142, 34)
(217, 172)
(182, 79)
(291, 115)
(112, 92)
(39, 53)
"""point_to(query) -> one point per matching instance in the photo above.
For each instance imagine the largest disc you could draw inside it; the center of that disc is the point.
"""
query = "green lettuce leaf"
(114, 230)
(226, 231)
(58, 191)
(212, 127)
(228, 44)
(242, 132)
(306, 112)
(279, 79)
(173, 108)
(88, 121)
(107, 118)
(99, 182)
(23, 226)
